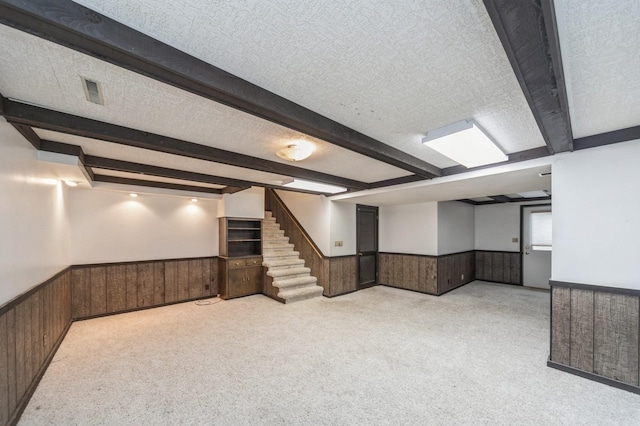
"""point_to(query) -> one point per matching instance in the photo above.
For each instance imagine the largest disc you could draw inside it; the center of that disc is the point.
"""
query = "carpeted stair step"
(290, 283)
(287, 273)
(283, 264)
(282, 255)
(299, 294)
(277, 242)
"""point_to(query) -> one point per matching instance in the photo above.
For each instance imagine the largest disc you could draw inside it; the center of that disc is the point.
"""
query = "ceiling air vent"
(92, 91)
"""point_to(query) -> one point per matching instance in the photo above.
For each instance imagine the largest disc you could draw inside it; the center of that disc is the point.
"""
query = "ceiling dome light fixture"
(133, 194)
(71, 183)
(296, 151)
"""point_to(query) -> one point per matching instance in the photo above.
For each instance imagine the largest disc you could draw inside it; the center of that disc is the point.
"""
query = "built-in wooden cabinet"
(240, 257)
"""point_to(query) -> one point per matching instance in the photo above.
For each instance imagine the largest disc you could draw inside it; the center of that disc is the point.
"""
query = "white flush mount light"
(133, 195)
(194, 200)
(465, 143)
(312, 186)
(71, 183)
(296, 151)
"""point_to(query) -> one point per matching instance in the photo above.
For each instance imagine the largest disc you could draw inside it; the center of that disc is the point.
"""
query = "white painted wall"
(596, 216)
(314, 214)
(34, 224)
(456, 227)
(248, 204)
(343, 228)
(111, 226)
(409, 228)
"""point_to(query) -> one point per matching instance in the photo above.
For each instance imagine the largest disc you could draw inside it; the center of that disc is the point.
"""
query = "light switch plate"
(514, 240)
(338, 244)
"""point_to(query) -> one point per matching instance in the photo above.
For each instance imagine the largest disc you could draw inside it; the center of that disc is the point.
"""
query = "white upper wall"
(409, 228)
(496, 225)
(596, 216)
(111, 226)
(34, 224)
(314, 214)
(343, 228)
(247, 204)
(456, 226)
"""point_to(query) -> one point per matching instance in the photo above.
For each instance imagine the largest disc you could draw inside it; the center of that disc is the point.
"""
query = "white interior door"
(536, 246)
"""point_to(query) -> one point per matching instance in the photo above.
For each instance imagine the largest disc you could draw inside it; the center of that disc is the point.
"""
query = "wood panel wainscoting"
(104, 289)
(32, 326)
(595, 333)
(427, 274)
(499, 266)
(336, 275)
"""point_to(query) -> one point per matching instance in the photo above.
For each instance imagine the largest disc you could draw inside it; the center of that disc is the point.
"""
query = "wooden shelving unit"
(240, 257)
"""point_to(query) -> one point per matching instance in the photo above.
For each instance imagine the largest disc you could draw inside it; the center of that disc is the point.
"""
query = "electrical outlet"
(44, 340)
(462, 277)
(514, 240)
(206, 286)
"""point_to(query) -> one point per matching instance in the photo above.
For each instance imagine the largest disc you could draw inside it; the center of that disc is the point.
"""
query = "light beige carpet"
(380, 356)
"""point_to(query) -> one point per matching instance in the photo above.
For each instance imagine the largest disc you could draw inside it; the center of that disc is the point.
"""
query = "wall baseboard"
(594, 377)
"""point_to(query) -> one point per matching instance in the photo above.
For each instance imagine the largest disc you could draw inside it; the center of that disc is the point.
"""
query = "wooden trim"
(82, 29)
(28, 134)
(143, 308)
(522, 207)
(22, 297)
(496, 251)
(613, 290)
(592, 376)
(395, 181)
(608, 138)
(24, 401)
(155, 184)
(371, 209)
(137, 262)
(21, 113)
(534, 54)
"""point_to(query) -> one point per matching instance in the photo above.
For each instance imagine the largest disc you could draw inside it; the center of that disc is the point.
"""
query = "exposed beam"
(395, 181)
(501, 198)
(509, 200)
(82, 29)
(529, 35)
(515, 157)
(616, 136)
(30, 115)
(154, 184)
(28, 134)
(231, 189)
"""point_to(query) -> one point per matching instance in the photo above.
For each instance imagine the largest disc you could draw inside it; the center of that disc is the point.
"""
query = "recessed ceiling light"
(71, 183)
(312, 186)
(297, 151)
(465, 143)
(133, 194)
(194, 200)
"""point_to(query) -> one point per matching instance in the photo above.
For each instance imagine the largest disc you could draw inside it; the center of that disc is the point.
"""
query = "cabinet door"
(254, 279)
(237, 282)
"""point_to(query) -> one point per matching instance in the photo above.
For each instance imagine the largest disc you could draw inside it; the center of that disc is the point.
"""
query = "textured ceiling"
(390, 70)
(502, 180)
(161, 159)
(139, 176)
(43, 73)
(600, 44)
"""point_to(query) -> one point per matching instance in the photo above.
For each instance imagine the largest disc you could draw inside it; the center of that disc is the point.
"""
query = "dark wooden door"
(367, 245)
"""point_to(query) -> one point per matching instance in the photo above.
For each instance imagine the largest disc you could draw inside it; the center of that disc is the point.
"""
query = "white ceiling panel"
(139, 176)
(43, 73)
(600, 44)
(390, 70)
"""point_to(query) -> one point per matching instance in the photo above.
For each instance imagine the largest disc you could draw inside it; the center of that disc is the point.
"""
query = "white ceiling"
(390, 70)
(600, 44)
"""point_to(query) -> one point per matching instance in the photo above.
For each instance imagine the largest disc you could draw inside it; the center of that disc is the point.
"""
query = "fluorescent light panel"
(312, 186)
(465, 143)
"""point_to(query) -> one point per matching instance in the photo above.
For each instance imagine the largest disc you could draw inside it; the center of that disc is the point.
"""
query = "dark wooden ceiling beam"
(34, 116)
(514, 157)
(82, 29)
(529, 35)
(155, 184)
(501, 198)
(608, 138)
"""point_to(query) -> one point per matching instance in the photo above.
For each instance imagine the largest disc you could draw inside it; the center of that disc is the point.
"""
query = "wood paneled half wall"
(499, 266)
(427, 274)
(32, 326)
(104, 289)
(595, 333)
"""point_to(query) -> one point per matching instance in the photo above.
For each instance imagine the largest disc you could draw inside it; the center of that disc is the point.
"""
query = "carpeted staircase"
(289, 274)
